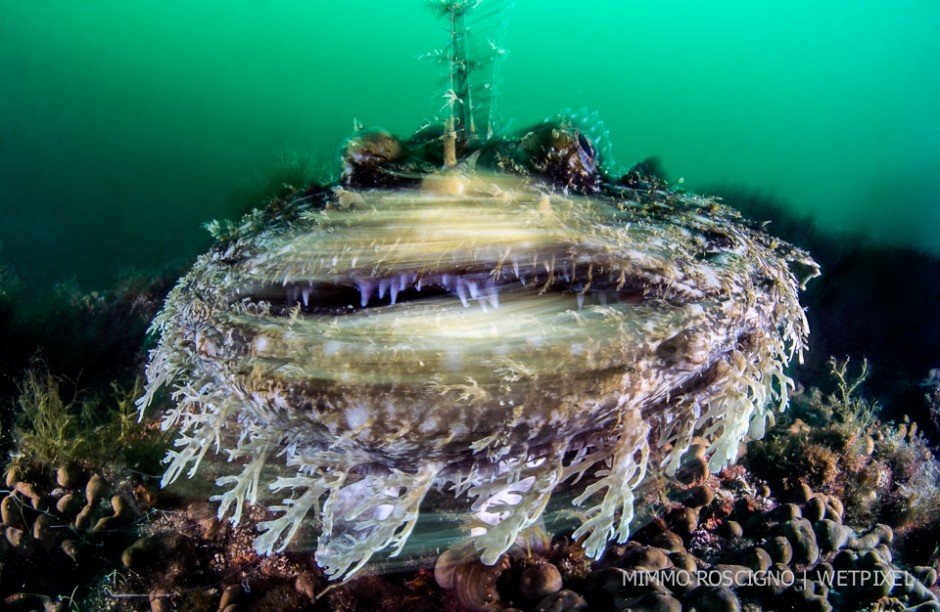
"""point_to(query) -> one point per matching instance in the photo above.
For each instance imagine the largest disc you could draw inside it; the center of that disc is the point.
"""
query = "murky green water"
(125, 125)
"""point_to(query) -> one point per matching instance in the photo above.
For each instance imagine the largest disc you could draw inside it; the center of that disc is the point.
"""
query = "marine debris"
(494, 318)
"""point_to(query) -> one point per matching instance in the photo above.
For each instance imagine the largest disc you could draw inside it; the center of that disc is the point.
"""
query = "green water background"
(126, 124)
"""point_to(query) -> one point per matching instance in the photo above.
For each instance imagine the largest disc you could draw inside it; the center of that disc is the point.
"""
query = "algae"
(838, 443)
(56, 424)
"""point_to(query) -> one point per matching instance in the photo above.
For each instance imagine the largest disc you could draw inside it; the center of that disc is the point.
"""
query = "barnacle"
(497, 342)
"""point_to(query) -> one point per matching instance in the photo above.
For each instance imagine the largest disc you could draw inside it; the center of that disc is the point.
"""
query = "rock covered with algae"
(493, 331)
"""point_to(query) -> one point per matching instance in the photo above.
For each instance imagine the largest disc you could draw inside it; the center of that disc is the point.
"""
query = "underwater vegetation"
(52, 430)
(76, 485)
(77, 457)
(89, 337)
(92, 336)
(836, 442)
(495, 314)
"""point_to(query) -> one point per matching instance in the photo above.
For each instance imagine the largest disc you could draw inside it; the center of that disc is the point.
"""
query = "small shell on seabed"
(540, 580)
(475, 584)
(448, 561)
